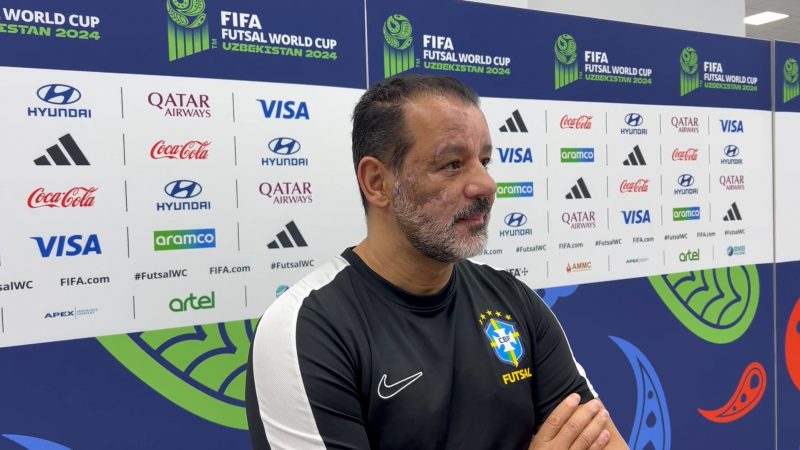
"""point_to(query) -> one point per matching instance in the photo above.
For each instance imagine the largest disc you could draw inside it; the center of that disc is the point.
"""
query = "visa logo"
(515, 155)
(636, 216)
(732, 126)
(68, 245)
(280, 109)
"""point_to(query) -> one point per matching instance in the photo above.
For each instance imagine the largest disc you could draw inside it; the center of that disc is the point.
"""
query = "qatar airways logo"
(690, 154)
(77, 197)
(582, 122)
(181, 105)
(640, 185)
(189, 150)
(685, 124)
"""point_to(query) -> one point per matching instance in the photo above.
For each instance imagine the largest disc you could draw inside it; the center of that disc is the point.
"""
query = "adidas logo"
(514, 124)
(733, 214)
(635, 158)
(579, 191)
(58, 157)
(283, 240)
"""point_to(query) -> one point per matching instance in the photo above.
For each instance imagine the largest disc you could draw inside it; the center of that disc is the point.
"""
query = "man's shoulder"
(323, 278)
(488, 272)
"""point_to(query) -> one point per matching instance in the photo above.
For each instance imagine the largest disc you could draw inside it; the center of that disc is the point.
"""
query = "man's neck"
(404, 267)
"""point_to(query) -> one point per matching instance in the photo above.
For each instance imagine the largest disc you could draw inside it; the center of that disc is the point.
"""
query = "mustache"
(479, 206)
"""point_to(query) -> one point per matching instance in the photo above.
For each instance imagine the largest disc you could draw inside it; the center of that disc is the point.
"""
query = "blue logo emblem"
(731, 151)
(58, 94)
(504, 339)
(634, 120)
(686, 180)
(183, 189)
(516, 219)
(284, 146)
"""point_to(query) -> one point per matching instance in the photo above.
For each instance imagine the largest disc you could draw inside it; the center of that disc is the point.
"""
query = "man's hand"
(572, 426)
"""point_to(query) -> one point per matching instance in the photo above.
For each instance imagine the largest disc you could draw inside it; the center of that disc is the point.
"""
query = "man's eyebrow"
(448, 150)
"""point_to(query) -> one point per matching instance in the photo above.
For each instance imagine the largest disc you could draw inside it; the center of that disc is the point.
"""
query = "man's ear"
(375, 180)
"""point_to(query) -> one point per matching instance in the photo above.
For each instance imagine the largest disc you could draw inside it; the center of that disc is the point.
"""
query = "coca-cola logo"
(690, 154)
(640, 185)
(189, 150)
(77, 197)
(583, 122)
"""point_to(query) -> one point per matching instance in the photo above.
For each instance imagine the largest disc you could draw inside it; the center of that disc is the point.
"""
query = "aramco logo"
(791, 88)
(187, 28)
(690, 76)
(398, 53)
(566, 50)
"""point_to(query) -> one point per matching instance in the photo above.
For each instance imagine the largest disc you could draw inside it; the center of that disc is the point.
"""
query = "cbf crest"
(503, 337)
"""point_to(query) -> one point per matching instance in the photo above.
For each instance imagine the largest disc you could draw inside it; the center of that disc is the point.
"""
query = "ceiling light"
(764, 17)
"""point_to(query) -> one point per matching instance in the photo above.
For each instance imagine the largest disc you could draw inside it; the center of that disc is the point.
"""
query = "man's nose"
(481, 184)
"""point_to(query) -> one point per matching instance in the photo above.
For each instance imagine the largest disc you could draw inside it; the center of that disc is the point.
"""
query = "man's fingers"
(591, 435)
(558, 417)
(572, 430)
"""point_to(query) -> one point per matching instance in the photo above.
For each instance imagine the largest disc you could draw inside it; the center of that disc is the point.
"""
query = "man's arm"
(578, 427)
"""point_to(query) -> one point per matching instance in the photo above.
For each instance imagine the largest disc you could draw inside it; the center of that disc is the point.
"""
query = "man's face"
(443, 195)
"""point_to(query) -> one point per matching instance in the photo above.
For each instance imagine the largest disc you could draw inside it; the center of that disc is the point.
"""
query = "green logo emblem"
(566, 50)
(201, 368)
(187, 29)
(791, 88)
(690, 76)
(398, 53)
(718, 305)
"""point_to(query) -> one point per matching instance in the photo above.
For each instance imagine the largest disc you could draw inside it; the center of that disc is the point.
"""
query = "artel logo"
(689, 255)
(284, 109)
(515, 219)
(685, 124)
(183, 189)
(74, 245)
(640, 185)
(636, 216)
(193, 302)
(577, 220)
(582, 122)
(731, 126)
(189, 150)
(732, 182)
(634, 120)
(284, 146)
(583, 266)
(180, 104)
(690, 154)
(77, 197)
(515, 155)
(58, 94)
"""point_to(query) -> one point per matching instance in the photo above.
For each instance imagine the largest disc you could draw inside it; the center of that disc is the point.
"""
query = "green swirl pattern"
(187, 13)
(790, 70)
(397, 32)
(689, 61)
(566, 49)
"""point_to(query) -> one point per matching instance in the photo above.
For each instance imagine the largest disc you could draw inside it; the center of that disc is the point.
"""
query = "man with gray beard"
(402, 342)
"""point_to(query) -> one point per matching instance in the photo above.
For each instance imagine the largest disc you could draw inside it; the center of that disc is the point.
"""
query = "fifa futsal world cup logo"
(398, 53)
(187, 29)
(690, 77)
(566, 60)
(791, 88)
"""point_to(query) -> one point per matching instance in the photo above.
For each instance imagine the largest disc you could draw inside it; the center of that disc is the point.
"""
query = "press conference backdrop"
(170, 169)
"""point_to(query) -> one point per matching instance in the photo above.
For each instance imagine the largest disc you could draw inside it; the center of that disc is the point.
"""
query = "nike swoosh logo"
(390, 390)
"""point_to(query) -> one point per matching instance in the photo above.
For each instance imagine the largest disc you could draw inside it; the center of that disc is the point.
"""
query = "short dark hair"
(379, 128)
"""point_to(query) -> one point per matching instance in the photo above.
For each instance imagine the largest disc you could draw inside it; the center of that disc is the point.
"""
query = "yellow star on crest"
(497, 313)
(508, 317)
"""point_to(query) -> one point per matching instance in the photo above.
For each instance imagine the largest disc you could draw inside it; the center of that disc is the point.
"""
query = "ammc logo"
(566, 50)
(690, 76)
(791, 86)
(398, 53)
(187, 29)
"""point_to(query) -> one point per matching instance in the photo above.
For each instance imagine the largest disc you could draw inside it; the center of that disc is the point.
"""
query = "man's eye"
(486, 162)
(453, 165)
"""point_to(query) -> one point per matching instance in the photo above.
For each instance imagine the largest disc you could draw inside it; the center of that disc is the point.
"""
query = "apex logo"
(73, 245)
(578, 191)
(284, 109)
(514, 124)
(635, 158)
(193, 302)
(59, 95)
(59, 158)
(514, 155)
(733, 214)
(283, 240)
(636, 216)
(731, 126)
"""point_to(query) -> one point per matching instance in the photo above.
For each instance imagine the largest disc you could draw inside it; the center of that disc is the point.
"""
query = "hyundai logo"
(731, 151)
(515, 219)
(58, 94)
(183, 189)
(686, 180)
(634, 120)
(284, 146)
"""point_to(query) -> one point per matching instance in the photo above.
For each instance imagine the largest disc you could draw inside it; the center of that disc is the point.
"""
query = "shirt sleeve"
(556, 374)
(305, 382)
